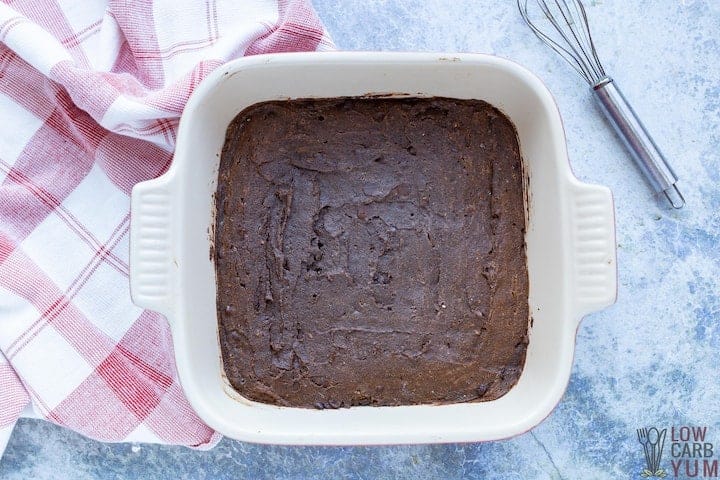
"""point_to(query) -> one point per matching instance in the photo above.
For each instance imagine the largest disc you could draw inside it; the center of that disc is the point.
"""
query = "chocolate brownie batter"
(371, 252)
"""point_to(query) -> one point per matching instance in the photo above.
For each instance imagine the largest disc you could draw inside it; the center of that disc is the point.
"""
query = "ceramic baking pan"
(570, 244)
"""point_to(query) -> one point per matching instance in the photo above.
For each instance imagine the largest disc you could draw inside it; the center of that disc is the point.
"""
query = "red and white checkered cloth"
(90, 96)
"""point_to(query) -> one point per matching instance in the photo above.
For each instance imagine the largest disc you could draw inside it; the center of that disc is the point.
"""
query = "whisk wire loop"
(571, 37)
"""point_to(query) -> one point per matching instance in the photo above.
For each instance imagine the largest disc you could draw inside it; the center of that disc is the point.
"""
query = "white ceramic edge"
(589, 287)
(151, 244)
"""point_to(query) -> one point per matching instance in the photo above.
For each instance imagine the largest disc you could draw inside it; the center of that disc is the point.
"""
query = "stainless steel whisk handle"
(638, 141)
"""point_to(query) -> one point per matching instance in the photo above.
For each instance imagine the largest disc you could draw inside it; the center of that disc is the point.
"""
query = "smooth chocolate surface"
(371, 252)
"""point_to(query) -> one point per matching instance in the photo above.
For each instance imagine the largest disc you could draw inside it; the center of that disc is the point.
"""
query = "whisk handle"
(638, 141)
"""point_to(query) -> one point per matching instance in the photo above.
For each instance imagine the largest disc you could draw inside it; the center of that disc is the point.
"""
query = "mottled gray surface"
(652, 359)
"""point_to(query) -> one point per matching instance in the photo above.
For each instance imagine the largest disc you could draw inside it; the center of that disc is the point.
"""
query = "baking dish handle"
(592, 215)
(151, 252)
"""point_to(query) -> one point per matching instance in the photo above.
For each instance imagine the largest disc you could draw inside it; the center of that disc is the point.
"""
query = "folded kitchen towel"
(90, 97)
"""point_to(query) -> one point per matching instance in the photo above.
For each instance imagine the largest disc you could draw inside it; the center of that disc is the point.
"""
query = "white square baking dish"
(570, 245)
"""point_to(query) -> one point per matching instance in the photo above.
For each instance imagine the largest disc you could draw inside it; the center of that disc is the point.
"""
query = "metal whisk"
(568, 33)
